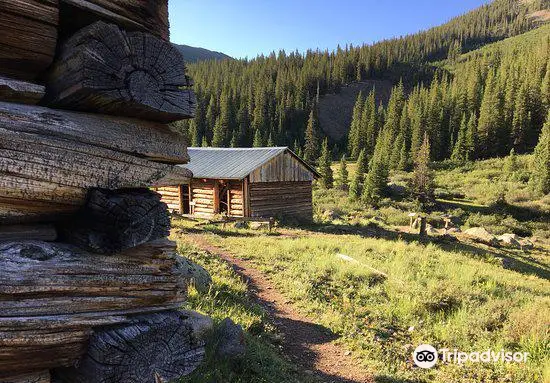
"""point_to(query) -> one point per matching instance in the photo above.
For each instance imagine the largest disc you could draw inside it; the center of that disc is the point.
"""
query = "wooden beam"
(135, 137)
(20, 91)
(28, 232)
(147, 16)
(160, 347)
(112, 221)
(28, 37)
(53, 294)
(102, 69)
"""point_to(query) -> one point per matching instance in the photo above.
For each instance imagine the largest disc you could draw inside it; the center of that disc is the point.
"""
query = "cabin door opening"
(223, 197)
(185, 199)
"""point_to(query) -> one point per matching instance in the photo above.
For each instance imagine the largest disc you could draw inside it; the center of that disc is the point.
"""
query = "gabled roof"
(233, 163)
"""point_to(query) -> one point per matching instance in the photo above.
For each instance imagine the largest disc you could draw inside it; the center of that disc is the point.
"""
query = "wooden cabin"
(244, 182)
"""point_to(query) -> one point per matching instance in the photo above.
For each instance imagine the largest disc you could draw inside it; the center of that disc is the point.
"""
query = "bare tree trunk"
(106, 70)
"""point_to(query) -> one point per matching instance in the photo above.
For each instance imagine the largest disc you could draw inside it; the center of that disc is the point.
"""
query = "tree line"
(271, 100)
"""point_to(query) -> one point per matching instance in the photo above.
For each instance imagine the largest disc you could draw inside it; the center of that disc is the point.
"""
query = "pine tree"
(489, 118)
(219, 134)
(325, 170)
(362, 162)
(460, 150)
(194, 138)
(377, 178)
(355, 127)
(311, 147)
(356, 188)
(471, 138)
(343, 182)
(423, 182)
(204, 142)
(511, 164)
(541, 161)
(258, 141)
(521, 121)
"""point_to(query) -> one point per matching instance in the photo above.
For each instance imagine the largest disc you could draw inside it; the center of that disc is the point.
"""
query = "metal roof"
(232, 163)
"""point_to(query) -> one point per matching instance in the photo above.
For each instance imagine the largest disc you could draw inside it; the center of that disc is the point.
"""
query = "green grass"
(228, 297)
(444, 297)
(449, 294)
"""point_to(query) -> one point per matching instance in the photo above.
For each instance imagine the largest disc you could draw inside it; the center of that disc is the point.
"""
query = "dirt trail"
(309, 345)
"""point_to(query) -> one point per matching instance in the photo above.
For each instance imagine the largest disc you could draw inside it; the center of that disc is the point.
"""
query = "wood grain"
(53, 294)
(103, 69)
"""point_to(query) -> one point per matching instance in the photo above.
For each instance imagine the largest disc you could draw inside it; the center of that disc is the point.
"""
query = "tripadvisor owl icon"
(425, 356)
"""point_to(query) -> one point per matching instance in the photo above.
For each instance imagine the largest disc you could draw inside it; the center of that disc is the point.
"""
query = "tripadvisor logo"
(426, 356)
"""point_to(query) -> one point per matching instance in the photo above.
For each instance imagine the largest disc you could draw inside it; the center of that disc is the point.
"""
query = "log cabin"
(244, 182)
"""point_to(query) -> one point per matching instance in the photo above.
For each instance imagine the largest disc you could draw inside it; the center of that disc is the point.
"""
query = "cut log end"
(113, 221)
(104, 69)
(152, 348)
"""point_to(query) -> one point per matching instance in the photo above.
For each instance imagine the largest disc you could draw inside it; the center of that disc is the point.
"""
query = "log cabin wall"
(282, 168)
(171, 197)
(203, 197)
(281, 188)
(281, 199)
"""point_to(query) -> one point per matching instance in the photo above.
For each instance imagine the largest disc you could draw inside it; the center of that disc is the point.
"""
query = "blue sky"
(243, 28)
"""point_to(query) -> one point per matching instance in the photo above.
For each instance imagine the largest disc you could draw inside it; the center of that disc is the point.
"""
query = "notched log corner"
(53, 294)
(107, 70)
(112, 221)
(151, 348)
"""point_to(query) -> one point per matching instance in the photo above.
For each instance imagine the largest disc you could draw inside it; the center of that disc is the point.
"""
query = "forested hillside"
(480, 104)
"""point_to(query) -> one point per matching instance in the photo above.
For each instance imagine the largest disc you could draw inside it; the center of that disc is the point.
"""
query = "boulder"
(259, 225)
(430, 230)
(231, 341)
(196, 275)
(240, 225)
(510, 240)
(482, 235)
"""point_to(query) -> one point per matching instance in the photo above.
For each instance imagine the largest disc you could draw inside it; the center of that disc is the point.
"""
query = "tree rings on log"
(152, 348)
(112, 221)
(104, 69)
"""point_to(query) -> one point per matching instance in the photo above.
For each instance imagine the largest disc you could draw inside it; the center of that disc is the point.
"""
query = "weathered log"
(28, 37)
(149, 349)
(20, 91)
(112, 221)
(148, 16)
(45, 171)
(106, 70)
(35, 377)
(28, 232)
(53, 294)
(149, 140)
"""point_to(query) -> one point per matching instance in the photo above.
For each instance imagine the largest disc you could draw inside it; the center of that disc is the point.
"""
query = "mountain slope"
(193, 54)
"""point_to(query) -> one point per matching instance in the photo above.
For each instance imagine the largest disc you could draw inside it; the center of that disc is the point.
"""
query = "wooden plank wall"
(171, 197)
(281, 199)
(236, 201)
(283, 168)
(202, 195)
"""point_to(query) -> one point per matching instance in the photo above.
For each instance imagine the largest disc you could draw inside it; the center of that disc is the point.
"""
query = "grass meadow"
(397, 292)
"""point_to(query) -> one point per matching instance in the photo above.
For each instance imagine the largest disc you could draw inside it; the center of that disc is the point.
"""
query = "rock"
(231, 342)
(526, 244)
(240, 225)
(510, 240)
(196, 275)
(453, 230)
(330, 215)
(259, 225)
(482, 235)
(201, 324)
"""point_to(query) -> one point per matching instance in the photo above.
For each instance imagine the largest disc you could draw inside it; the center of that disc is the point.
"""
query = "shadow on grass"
(389, 379)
